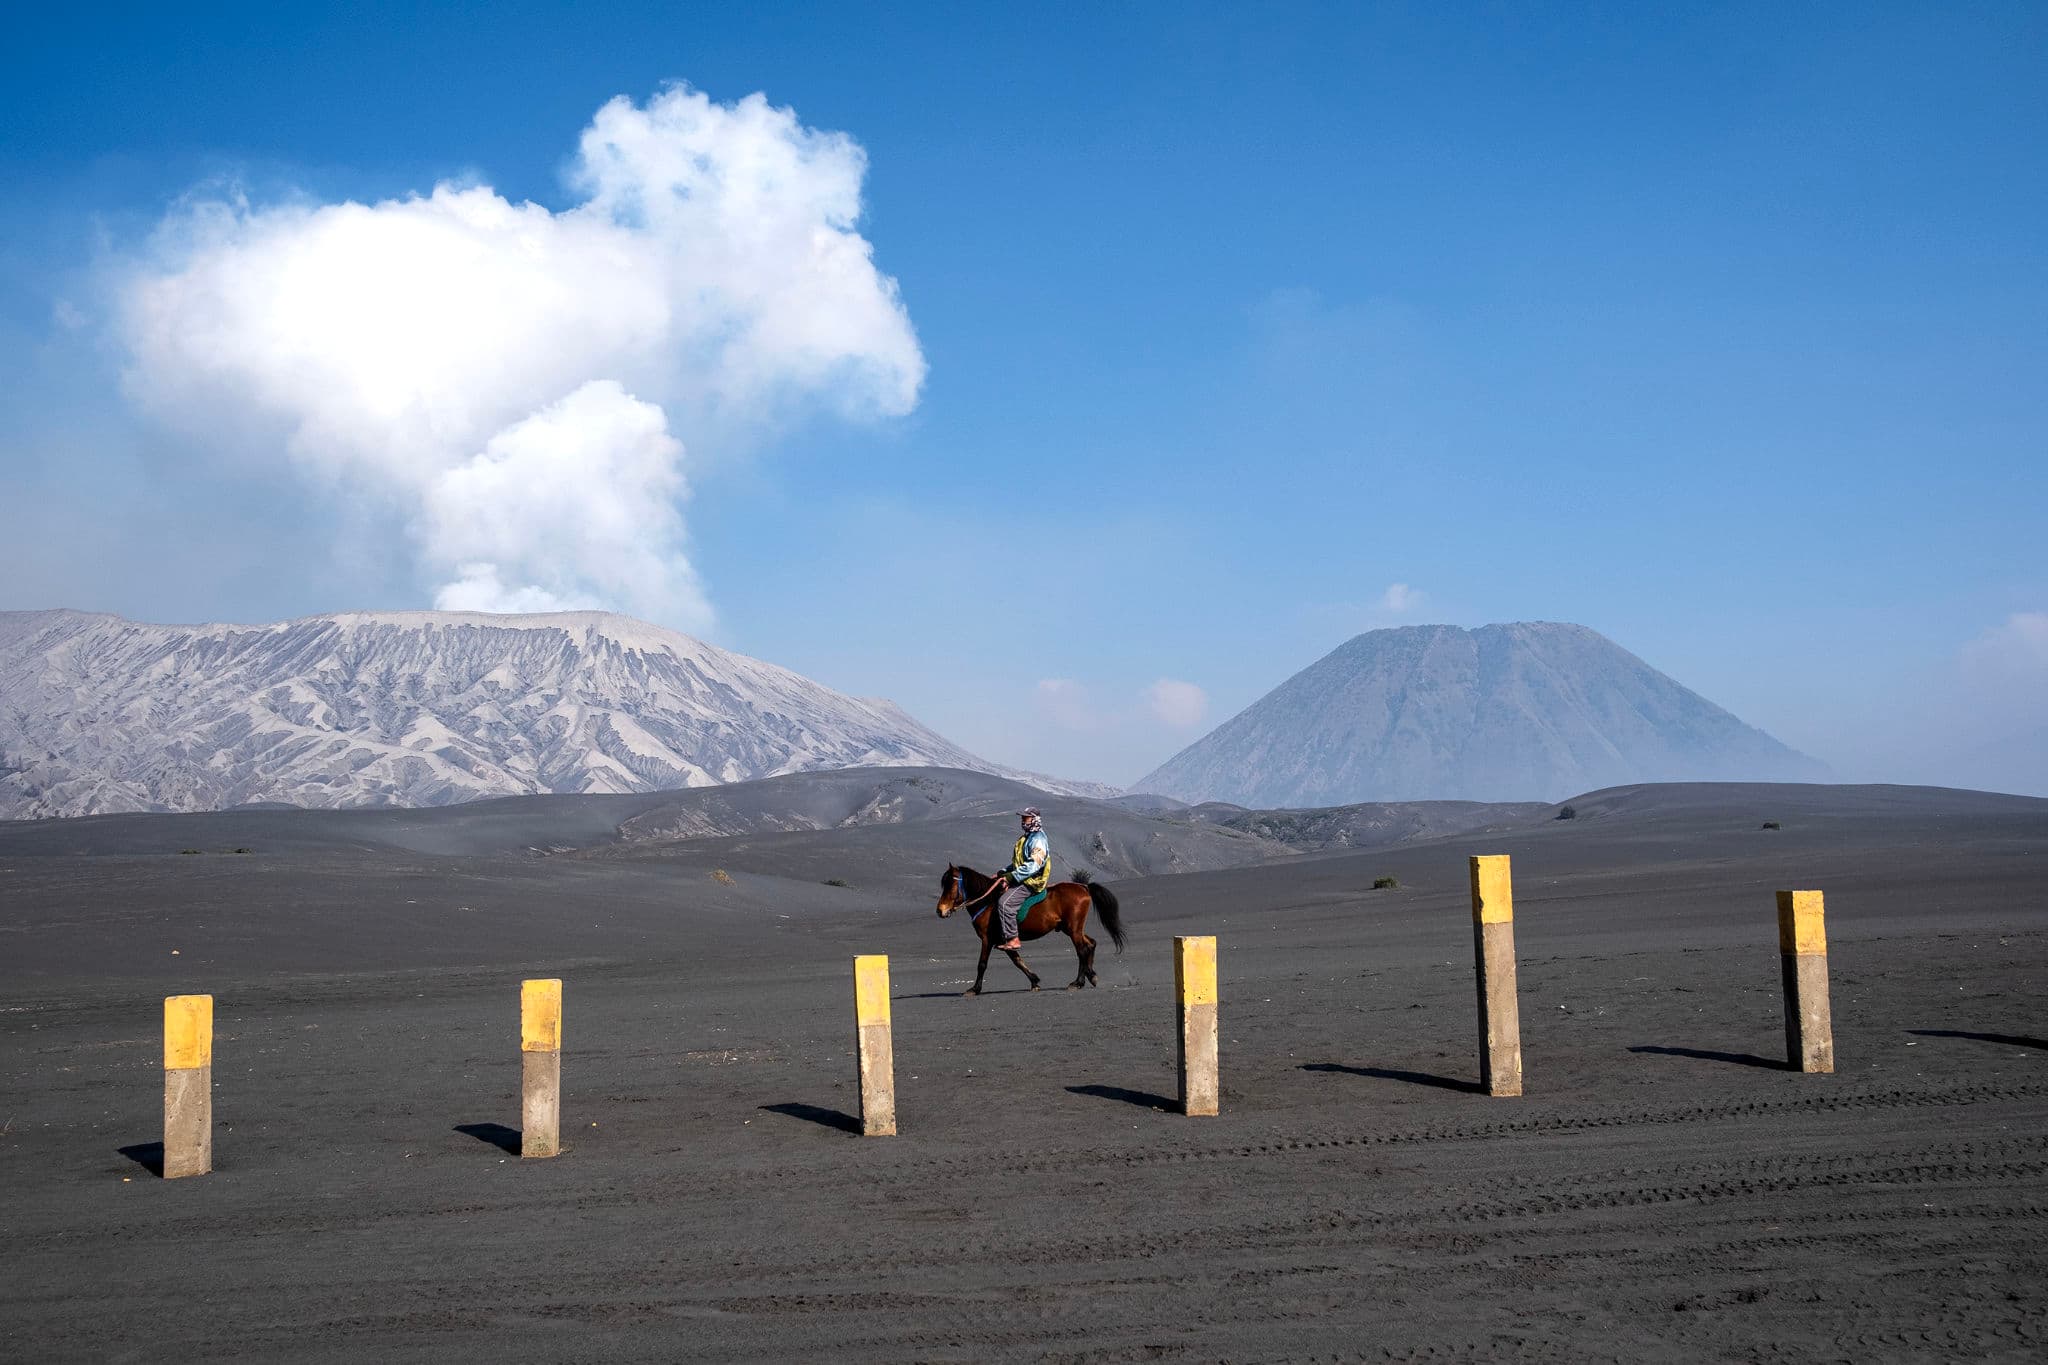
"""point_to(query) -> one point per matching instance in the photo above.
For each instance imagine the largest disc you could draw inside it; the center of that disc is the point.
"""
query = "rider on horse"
(1029, 872)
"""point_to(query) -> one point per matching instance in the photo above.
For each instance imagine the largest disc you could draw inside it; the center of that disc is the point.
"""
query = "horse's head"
(952, 891)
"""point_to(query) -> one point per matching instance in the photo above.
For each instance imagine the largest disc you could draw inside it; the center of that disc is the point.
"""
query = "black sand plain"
(1666, 1189)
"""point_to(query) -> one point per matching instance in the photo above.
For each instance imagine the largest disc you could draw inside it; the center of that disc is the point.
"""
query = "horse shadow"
(505, 1139)
(1144, 1099)
(1709, 1055)
(1388, 1073)
(2006, 1039)
(818, 1114)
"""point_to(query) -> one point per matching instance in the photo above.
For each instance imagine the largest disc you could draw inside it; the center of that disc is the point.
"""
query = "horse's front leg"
(980, 970)
(1018, 958)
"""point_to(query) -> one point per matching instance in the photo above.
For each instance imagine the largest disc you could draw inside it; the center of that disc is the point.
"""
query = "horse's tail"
(1105, 910)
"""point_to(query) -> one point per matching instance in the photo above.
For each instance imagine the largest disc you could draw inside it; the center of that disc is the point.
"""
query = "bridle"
(960, 890)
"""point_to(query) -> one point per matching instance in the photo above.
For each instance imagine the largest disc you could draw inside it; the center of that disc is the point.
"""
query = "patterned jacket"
(1031, 863)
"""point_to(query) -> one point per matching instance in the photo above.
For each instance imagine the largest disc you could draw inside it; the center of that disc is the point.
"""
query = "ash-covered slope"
(98, 714)
(1374, 824)
(900, 828)
(880, 829)
(1527, 712)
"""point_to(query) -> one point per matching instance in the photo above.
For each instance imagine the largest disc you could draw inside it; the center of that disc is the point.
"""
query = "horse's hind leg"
(1084, 957)
(1018, 958)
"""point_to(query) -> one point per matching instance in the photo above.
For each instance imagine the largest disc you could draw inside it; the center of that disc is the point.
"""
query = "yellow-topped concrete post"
(1493, 951)
(1803, 956)
(877, 1049)
(1194, 979)
(188, 1085)
(540, 1057)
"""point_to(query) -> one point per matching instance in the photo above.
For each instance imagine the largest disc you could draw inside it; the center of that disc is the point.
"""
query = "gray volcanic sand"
(1664, 1190)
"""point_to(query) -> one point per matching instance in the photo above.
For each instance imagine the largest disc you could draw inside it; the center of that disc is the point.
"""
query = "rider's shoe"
(1012, 946)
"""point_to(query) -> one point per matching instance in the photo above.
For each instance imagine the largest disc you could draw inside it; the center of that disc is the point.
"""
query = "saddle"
(1033, 899)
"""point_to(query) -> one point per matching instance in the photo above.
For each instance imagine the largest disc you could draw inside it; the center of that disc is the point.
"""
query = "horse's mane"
(969, 875)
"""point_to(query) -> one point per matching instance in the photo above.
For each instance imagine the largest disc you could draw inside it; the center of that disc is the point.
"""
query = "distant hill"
(99, 715)
(1533, 711)
(1375, 824)
(875, 826)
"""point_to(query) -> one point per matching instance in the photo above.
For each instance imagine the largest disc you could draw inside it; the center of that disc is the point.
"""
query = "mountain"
(98, 714)
(1533, 711)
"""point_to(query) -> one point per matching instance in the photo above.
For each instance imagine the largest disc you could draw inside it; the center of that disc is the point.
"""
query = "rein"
(960, 888)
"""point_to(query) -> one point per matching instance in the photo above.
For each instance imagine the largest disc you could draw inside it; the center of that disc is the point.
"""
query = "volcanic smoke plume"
(508, 381)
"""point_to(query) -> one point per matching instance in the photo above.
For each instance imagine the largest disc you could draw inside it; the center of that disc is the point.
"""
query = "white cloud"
(1069, 705)
(1179, 704)
(1399, 598)
(2015, 652)
(508, 376)
(1983, 721)
(1065, 702)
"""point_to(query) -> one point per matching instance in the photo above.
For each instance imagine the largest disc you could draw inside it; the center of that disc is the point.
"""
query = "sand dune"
(1664, 1189)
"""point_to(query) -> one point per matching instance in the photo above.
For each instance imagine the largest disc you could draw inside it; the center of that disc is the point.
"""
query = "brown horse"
(1065, 908)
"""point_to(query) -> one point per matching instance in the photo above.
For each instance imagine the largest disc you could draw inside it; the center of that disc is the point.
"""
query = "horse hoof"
(975, 991)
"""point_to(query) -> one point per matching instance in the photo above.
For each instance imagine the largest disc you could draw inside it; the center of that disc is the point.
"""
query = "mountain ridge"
(100, 714)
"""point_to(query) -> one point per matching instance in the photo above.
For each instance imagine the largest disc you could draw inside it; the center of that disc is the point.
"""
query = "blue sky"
(1721, 330)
